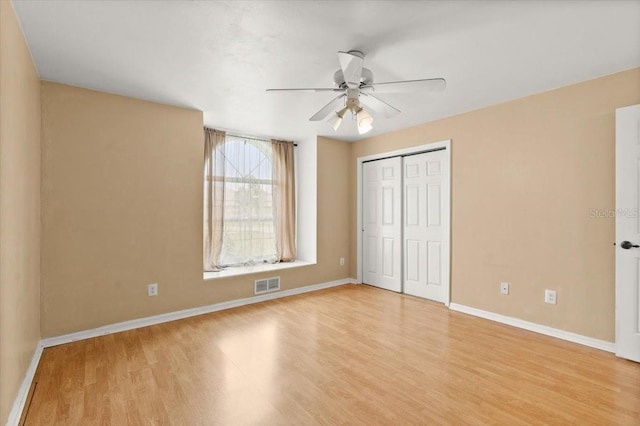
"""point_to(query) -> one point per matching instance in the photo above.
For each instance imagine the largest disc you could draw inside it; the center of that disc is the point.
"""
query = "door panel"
(426, 239)
(434, 204)
(387, 257)
(387, 206)
(434, 263)
(412, 255)
(382, 228)
(628, 230)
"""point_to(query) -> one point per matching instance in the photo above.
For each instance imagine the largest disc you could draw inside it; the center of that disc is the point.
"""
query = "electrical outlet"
(342, 261)
(152, 289)
(504, 288)
(550, 297)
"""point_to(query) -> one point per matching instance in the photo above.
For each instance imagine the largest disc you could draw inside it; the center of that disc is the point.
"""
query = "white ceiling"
(219, 57)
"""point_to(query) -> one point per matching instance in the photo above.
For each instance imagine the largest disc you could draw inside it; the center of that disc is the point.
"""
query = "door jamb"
(401, 152)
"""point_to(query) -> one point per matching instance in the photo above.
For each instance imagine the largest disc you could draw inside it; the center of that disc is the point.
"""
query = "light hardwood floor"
(349, 355)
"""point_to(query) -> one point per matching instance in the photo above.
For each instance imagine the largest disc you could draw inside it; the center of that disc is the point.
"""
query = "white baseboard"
(172, 316)
(23, 391)
(537, 328)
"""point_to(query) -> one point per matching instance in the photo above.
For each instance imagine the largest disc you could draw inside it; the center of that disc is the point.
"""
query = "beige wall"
(525, 175)
(122, 203)
(122, 208)
(19, 208)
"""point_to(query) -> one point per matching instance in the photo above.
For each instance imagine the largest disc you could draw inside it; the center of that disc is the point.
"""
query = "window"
(247, 215)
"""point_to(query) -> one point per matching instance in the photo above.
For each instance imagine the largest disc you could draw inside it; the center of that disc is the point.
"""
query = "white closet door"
(382, 227)
(426, 225)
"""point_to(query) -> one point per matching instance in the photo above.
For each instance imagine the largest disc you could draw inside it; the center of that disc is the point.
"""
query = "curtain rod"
(247, 137)
(252, 138)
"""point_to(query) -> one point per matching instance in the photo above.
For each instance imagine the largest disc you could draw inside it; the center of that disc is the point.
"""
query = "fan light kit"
(362, 117)
(355, 85)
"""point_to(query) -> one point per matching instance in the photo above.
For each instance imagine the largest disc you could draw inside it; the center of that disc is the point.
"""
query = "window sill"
(246, 270)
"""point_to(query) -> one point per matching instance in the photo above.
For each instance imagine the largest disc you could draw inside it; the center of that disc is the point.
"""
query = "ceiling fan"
(356, 87)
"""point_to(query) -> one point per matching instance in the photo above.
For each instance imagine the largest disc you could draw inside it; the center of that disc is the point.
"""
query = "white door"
(628, 232)
(426, 225)
(382, 227)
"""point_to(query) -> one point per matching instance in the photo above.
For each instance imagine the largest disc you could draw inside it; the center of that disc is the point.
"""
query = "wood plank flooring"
(351, 355)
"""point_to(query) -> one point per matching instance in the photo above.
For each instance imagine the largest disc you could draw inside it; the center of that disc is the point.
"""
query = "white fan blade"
(328, 109)
(429, 84)
(319, 89)
(351, 68)
(378, 105)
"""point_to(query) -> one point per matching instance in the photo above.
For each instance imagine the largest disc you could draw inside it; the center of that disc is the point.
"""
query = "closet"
(406, 223)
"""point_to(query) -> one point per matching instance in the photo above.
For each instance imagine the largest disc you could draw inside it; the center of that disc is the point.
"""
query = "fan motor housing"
(366, 78)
